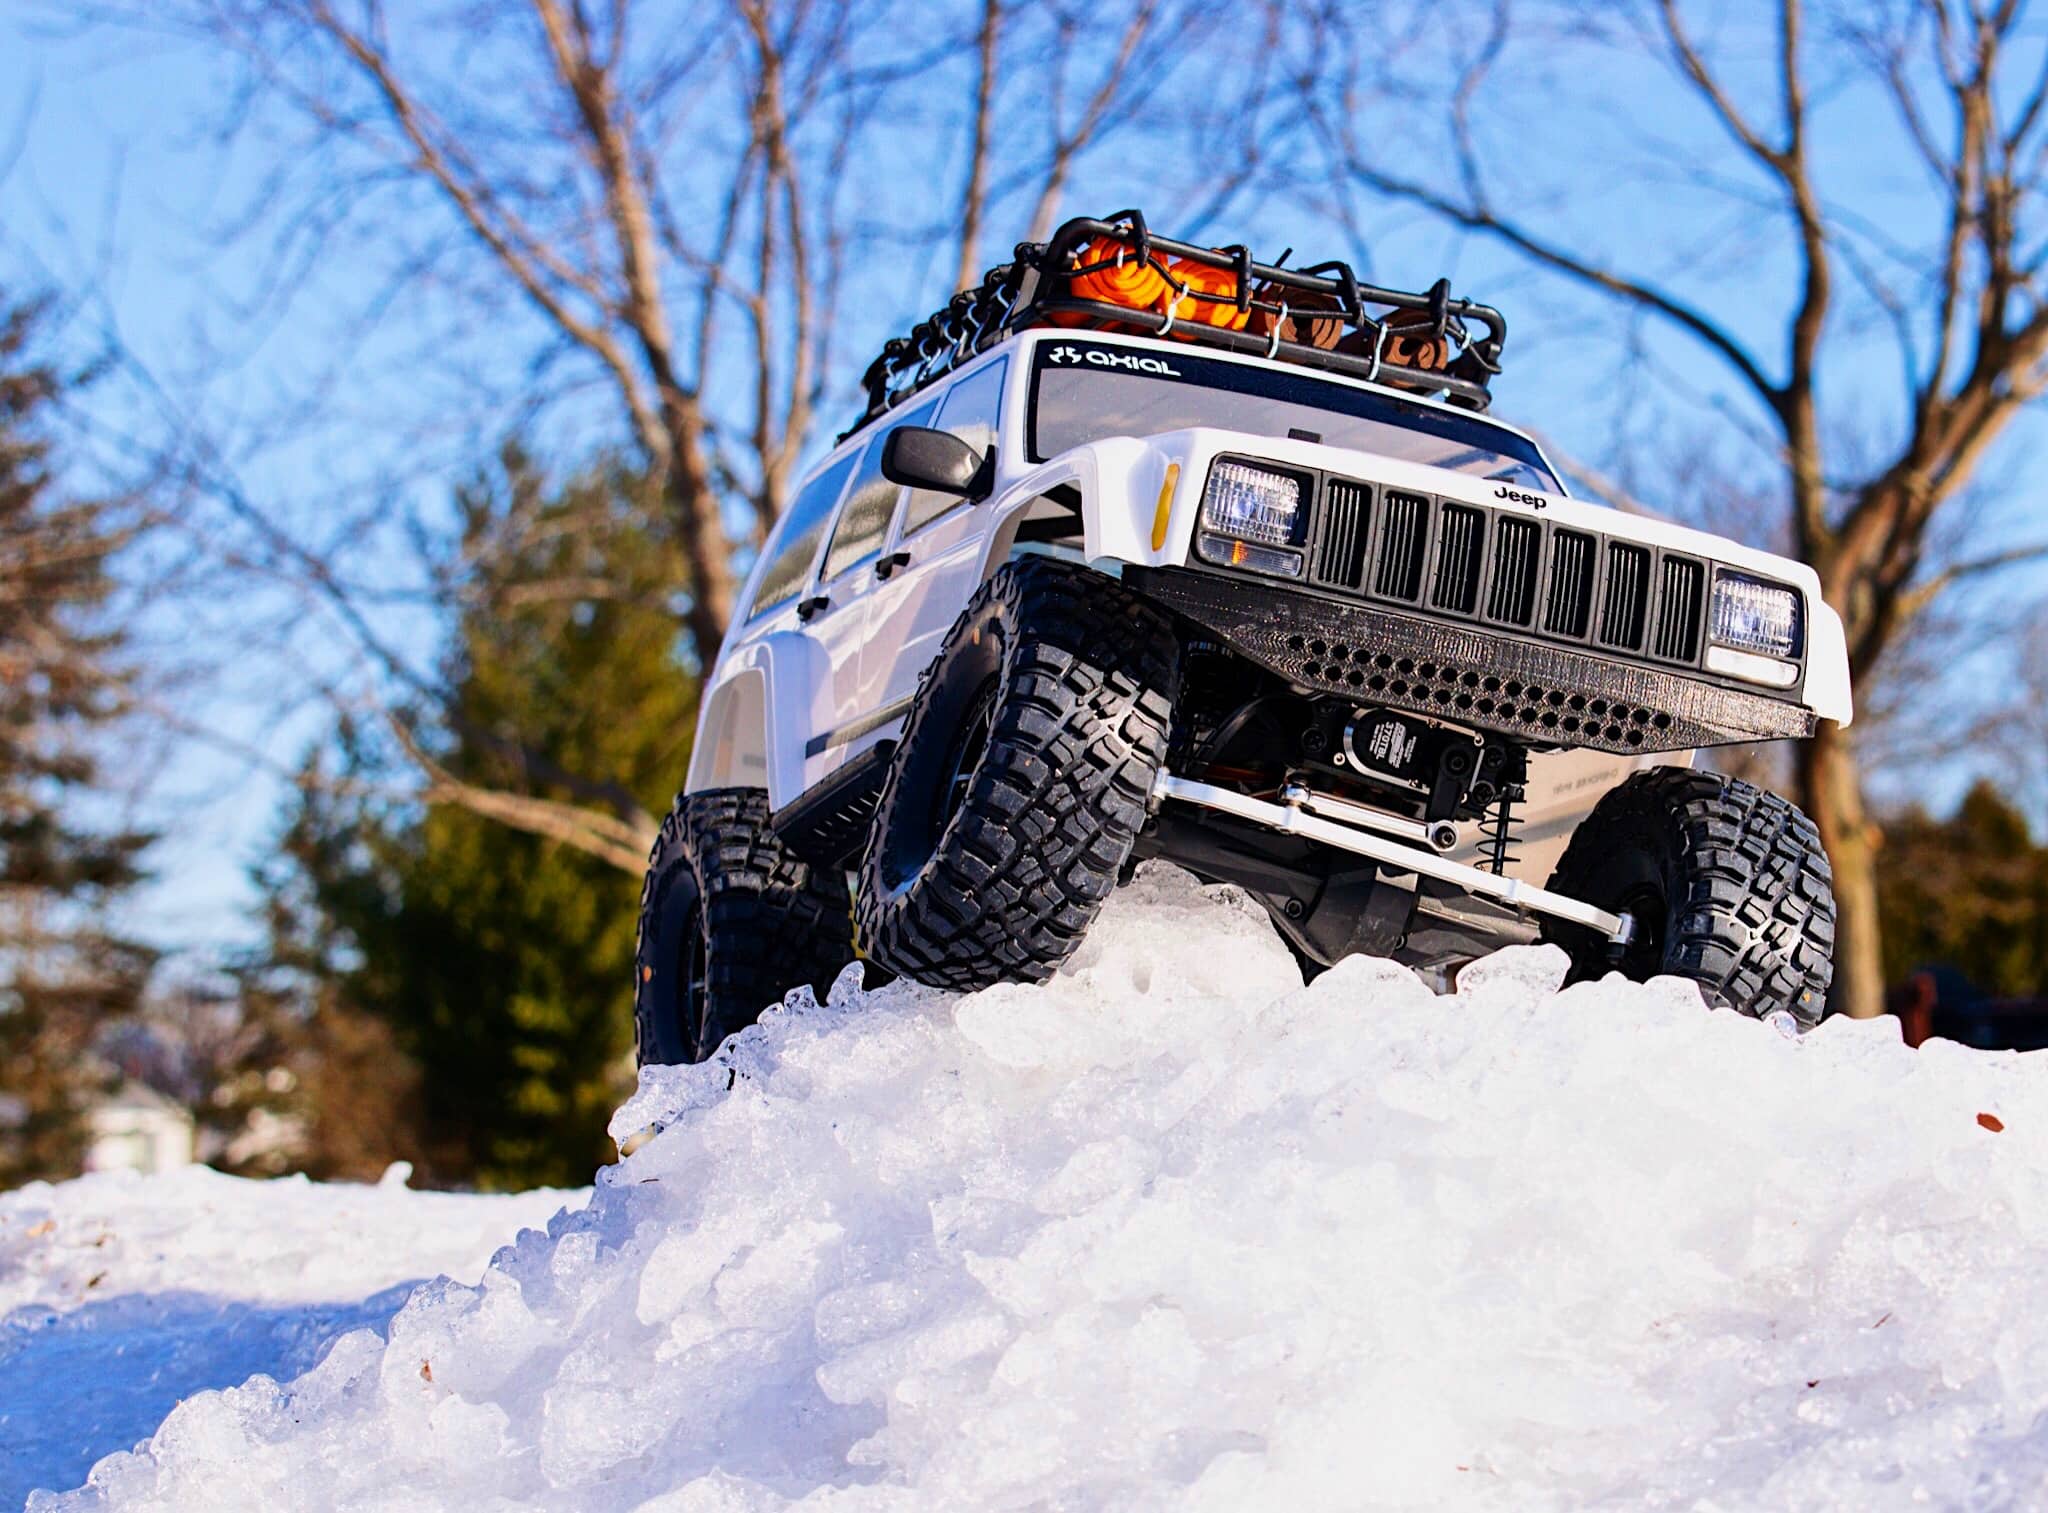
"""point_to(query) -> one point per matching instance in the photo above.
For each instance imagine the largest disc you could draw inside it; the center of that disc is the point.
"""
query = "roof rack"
(1320, 316)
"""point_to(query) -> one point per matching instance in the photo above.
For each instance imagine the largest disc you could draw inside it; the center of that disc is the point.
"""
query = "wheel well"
(1053, 516)
(732, 740)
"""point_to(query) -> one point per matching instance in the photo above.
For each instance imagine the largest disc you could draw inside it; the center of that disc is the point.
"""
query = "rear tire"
(1728, 884)
(729, 922)
(1022, 778)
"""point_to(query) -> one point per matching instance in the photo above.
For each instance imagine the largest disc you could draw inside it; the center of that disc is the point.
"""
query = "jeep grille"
(1569, 606)
(1457, 559)
(1495, 567)
(1517, 544)
(1340, 558)
(1678, 609)
(1404, 533)
(1628, 595)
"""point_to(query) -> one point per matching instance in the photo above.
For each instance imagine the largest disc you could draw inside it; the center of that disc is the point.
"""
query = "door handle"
(890, 563)
(807, 607)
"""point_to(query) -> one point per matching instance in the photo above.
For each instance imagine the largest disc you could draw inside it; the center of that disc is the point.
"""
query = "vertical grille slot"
(1340, 560)
(1517, 545)
(1403, 534)
(1628, 595)
(1680, 589)
(1568, 608)
(1458, 546)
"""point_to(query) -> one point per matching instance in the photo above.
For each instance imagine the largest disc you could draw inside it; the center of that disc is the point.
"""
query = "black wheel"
(1727, 884)
(729, 922)
(1021, 780)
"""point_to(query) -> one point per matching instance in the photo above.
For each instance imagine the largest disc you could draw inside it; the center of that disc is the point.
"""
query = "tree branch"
(621, 845)
(1637, 292)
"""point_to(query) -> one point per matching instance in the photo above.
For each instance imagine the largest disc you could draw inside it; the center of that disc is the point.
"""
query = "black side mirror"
(920, 458)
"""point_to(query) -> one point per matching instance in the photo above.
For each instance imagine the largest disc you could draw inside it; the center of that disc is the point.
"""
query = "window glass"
(969, 411)
(1084, 392)
(794, 542)
(870, 503)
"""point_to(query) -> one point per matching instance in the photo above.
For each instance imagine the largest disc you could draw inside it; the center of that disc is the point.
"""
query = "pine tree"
(62, 975)
(1968, 892)
(502, 960)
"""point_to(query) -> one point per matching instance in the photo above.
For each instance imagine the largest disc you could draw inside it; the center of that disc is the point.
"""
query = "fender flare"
(750, 734)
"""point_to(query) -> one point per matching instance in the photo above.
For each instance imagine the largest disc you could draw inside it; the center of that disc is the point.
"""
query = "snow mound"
(1175, 1231)
(121, 1294)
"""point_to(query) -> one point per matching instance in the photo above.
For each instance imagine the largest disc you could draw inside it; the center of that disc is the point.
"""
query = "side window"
(794, 543)
(870, 503)
(969, 412)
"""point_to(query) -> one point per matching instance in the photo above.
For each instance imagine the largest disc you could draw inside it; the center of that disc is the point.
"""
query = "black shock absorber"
(1505, 827)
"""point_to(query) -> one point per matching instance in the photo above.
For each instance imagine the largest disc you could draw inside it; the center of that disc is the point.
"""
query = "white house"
(137, 1129)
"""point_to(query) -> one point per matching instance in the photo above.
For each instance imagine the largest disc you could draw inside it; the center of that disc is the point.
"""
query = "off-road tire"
(763, 923)
(1730, 886)
(990, 855)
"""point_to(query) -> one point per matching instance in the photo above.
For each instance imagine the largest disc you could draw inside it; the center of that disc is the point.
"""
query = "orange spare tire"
(1126, 279)
(1313, 320)
(1210, 300)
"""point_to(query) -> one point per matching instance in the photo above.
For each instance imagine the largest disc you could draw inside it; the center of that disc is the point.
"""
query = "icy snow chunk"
(1172, 1230)
(1514, 975)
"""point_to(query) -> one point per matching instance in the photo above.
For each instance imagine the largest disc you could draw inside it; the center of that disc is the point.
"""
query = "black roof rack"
(1265, 309)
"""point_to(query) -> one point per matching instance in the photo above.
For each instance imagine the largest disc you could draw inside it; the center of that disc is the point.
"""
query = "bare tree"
(974, 195)
(638, 183)
(590, 236)
(662, 213)
(1968, 310)
(1171, 81)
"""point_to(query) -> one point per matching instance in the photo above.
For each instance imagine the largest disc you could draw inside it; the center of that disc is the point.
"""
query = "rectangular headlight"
(1753, 616)
(1252, 504)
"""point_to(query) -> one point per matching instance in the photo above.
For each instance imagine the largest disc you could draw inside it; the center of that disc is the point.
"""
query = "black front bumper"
(1543, 694)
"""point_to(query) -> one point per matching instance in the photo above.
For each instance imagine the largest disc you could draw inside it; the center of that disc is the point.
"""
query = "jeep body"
(1091, 456)
(1143, 550)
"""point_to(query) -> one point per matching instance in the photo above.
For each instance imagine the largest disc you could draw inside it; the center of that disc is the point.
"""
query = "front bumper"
(1540, 693)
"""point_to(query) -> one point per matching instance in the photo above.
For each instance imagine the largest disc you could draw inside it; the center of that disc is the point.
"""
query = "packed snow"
(1173, 1231)
(122, 1294)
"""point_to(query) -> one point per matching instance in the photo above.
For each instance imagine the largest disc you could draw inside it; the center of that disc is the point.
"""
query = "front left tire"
(1022, 779)
(730, 921)
(1728, 885)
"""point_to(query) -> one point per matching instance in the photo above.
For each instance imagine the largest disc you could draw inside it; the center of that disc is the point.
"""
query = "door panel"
(840, 726)
(910, 615)
(943, 537)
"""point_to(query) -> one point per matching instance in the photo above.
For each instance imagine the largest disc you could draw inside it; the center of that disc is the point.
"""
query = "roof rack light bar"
(1036, 286)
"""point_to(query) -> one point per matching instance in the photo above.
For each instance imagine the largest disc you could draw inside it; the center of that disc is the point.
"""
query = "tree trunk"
(687, 483)
(1831, 793)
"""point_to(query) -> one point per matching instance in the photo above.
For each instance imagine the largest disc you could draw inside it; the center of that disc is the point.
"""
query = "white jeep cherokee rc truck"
(1148, 549)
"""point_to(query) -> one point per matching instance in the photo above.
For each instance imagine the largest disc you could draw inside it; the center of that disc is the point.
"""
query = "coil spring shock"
(1505, 831)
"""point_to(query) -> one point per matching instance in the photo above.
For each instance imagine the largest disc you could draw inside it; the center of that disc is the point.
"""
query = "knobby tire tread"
(1084, 708)
(773, 922)
(1752, 894)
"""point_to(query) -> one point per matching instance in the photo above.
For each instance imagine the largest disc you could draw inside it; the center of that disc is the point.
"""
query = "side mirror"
(920, 458)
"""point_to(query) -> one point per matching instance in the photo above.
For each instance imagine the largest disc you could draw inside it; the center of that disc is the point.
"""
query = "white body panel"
(790, 701)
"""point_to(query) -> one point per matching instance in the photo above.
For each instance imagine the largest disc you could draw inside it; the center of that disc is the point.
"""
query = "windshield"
(1085, 391)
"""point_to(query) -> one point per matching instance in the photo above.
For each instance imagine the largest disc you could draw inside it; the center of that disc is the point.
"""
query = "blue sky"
(114, 179)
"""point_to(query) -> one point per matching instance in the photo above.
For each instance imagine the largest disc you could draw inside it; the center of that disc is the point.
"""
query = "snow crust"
(1173, 1231)
(121, 1294)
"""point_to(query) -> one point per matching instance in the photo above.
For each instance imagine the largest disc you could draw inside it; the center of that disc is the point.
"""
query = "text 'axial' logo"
(1099, 358)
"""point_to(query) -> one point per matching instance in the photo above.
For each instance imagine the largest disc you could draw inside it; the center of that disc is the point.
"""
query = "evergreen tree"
(62, 975)
(502, 960)
(1969, 892)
